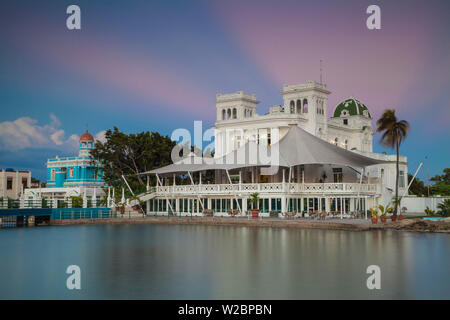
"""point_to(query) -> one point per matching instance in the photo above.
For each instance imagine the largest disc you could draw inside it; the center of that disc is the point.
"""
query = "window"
(336, 141)
(229, 114)
(65, 172)
(305, 106)
(292, 107)
(401, 179)
(52, 175)
(223, 114)
(299, 106)
(9, 183)
(96, 174)
(71, 172)
(346, 121)
(337, 175)
(24, 183)
(234, 113)
(346, 144)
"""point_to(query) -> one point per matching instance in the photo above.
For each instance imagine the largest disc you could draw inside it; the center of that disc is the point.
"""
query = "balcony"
(266, 188)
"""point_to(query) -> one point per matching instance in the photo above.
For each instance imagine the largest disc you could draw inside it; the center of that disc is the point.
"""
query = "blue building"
(81, 171)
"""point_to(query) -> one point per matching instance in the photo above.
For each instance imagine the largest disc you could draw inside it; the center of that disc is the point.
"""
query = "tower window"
(52, 175)
(299, 106)
(71, 172)
(234, 113)
(9, 183)
(346, 121)
(223, 114)
(292, 107)
(305, 106)
(401, 179)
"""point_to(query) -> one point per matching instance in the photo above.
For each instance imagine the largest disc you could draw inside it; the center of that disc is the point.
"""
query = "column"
(17, 184)
(283, 205)
(3, 184)
(327, 204)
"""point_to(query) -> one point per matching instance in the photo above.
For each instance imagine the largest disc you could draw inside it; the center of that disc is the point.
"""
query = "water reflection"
(218, 262)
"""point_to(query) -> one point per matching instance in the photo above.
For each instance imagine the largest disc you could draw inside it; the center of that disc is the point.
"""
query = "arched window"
(234, 113)
(223, 114)
(305, 105)
(299, 106)
(229, 114)
(292, 106)
(336, 141)
(346, 144)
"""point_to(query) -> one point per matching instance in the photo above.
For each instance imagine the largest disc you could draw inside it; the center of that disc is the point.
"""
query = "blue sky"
(157, 65)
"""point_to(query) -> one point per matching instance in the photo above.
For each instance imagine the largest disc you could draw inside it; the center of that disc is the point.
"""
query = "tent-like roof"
(297, 147)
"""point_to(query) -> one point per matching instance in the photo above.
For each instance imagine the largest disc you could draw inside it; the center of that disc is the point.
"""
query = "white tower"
(309, 100)
(234, 106)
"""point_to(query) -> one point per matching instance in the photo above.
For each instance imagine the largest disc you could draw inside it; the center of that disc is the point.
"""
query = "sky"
(158, 65)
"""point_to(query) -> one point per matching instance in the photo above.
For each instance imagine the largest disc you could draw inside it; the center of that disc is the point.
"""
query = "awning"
(297, 147)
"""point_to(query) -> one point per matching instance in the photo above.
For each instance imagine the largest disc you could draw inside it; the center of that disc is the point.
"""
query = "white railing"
(248, 188)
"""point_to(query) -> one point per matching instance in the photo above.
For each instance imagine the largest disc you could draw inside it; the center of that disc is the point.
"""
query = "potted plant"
(122, 208)
(400, 217)
(396, 203)
(374, 212)
(254, 198)
(384, 210)
(137, 203)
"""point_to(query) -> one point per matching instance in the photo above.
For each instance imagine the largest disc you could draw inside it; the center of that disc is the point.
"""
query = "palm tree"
(394, 133)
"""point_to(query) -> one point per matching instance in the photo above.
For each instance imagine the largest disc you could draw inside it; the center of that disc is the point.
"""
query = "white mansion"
(324, 164)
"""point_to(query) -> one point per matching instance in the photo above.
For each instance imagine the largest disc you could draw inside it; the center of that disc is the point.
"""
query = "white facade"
(306, 105)
(301, 189)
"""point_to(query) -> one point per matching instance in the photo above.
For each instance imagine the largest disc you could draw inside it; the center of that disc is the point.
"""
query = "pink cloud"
(118, 69)
(379, 67)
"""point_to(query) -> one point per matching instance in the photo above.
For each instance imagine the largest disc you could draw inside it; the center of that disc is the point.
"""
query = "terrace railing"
(248, 188)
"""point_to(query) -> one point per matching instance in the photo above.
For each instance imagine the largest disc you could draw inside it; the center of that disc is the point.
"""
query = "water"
(217, 262)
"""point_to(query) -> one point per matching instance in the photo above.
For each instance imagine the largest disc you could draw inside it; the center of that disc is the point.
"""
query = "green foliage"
(394, 132)
(254, 198)
(384, 210)
(374, 212)
(440, 188)
(445, 178)
(77, 202)
(130, 154)
(417, 186)
(444, 208)
(429, 212)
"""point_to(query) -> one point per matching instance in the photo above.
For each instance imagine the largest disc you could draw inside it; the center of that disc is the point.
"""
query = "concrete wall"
(419, 204)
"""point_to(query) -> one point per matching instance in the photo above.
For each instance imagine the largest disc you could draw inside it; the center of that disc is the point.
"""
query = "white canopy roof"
(297, 147)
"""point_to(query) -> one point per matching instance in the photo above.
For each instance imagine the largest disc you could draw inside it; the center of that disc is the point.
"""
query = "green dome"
(351, 107)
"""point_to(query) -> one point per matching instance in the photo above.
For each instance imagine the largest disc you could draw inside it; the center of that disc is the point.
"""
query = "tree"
(394, 133)
(417, 186)
(444, 208)
(445, 178)
(441, 183)
(130, 154)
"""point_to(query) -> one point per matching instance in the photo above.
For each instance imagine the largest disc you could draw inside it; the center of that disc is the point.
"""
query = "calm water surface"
(214, 262)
